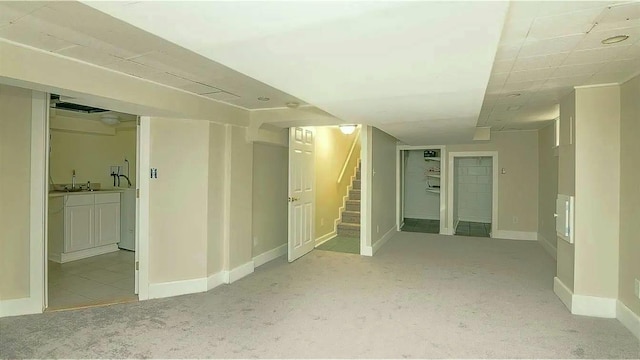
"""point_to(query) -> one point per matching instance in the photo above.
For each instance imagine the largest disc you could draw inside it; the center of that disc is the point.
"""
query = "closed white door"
(301, 191)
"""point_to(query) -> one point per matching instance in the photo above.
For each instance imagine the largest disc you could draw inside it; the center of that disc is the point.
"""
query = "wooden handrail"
(346, 161)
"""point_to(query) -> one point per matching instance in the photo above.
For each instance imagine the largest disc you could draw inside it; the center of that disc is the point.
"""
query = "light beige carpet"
(421, 296)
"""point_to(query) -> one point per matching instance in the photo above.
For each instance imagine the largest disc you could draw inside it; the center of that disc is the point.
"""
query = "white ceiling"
(75, 30)
(547, 48)
(401, 66)
(425, 72)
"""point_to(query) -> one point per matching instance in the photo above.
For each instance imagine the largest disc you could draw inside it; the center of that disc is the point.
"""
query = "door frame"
(400, 178)
(494, 187)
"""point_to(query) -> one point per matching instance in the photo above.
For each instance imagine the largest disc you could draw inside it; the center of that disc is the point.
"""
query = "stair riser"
(356, 184)
(358, 175)
(351, 218)
(354, 195)
(353, 207)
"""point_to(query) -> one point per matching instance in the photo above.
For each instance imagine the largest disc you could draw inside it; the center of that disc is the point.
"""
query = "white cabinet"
(90, 226)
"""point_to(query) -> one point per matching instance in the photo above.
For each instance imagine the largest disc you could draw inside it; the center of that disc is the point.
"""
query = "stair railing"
(346, 161)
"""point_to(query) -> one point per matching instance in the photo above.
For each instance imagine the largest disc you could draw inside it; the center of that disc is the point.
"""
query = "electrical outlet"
(114, 169)
(255, 240)
(321, 221)
(377, 229)
(637, 292)
(515, 219)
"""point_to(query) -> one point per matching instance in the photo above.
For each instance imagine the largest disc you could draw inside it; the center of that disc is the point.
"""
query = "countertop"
(85, 192)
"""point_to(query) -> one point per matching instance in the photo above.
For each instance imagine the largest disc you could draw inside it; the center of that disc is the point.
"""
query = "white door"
(301, 191)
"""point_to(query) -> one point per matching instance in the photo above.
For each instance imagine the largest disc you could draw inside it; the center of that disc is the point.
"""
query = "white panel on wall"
(473, 183)
(418, 202)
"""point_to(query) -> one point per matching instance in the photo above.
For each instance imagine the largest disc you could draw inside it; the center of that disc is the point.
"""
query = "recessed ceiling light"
(615, 39)
(293, 104)
(263, 98)
(514, 95)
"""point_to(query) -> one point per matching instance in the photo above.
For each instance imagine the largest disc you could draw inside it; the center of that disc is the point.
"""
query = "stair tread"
(351, 212)
(349, 225)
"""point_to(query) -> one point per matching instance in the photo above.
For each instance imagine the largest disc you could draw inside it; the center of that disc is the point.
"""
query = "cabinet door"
(107, 222)
(78, 228)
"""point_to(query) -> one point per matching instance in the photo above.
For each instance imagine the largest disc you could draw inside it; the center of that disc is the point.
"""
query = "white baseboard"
(563, 292)
(585, 305)
(82, 254)
(594, 306)
(552, 250)
(476, 219)
(628, 318)
(366, 250)
(267, 256)
(383, 240)
(175, 288)
(455, 225)
(324, 238)
(23, 306)
(215, 280)
(238, 273)
(447, 231)
(514, 235)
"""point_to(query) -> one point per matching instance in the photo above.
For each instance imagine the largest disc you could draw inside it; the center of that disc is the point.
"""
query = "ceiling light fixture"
(347, 129)
(292, 104)
(110, 119)
(615, 39)
(263, 98)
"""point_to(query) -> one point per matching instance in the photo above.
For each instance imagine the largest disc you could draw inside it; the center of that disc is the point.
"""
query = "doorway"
(473, 200)
(91, 213)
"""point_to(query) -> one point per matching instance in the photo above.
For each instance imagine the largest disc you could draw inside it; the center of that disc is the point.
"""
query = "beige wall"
(547, 184)
(216, 206)
(566, 182)
(597, 202)
(240, 240)
(15, 139)
(383, 184)
(91, 155)
(629, 266)
(518, 188)
(269, 211)
(178, 200)
(331, 150)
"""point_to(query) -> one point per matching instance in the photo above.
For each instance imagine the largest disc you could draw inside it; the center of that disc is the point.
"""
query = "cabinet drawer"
(107, 198)
(75, 200)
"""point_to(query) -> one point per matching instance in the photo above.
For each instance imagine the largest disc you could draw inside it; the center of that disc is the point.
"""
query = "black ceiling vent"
(58, 104)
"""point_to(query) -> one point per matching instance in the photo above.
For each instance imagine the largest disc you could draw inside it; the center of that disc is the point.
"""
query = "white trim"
(238, 273)
(142, 227)
(38, 203)
(215, 280)
(628, 318)
(326, 237)
(552, 250)
(563, 292)
(514, 235)
(596, 85)
(400, 226)
(267, 256)
(226, 199)
(456, 222)
(594, 306)
(82, 254)
(383, 240)
(449, 181)
(366, 150)
(175, 288)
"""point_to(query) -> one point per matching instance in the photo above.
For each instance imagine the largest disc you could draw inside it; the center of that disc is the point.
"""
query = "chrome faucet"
(73, 180)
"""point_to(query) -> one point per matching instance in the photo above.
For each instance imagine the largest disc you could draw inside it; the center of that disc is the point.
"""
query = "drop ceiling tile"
(199, 88)
(550, 46)
(222, 96)
(508, 52)
(577, 22)
(24, 35)
(577, 70)
(521, 86)
(168, 79)
(10, 11)
(89, 55)
(633, 52)
(594, 39)
(608, 78)
(629, 66)
(498, 79)
(502, 66)
(515, 32)
(564, 82)
(529, 75)
(619, 16)
(582, 57)
(550, 8)
(539, 62)
(131, 68)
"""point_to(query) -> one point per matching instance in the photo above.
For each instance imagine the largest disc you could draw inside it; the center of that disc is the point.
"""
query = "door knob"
(292, 199)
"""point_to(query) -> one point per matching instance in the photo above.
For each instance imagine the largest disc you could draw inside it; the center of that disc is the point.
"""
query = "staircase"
(349, 225)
